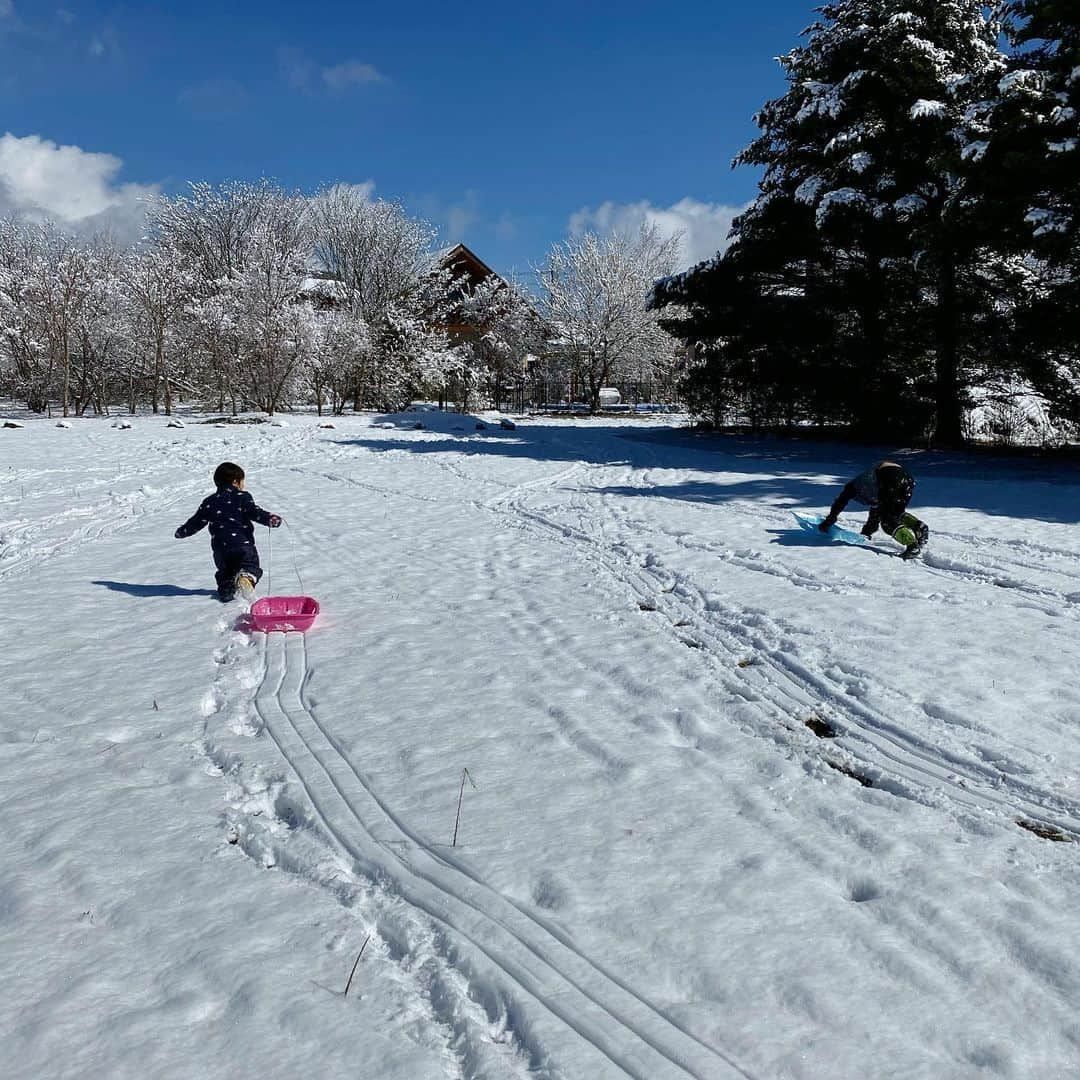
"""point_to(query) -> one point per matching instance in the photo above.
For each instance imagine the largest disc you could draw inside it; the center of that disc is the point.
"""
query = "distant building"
(468, 271)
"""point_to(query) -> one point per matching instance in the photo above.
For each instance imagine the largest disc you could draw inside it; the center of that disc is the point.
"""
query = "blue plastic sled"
(811, 522)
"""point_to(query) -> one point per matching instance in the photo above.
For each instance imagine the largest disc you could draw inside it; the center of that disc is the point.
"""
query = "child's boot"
(245, 585)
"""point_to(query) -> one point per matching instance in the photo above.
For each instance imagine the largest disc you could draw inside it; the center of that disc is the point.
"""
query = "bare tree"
(212, 229)
(22, 350)
(159, 287)
(594, 293)
(373, 247)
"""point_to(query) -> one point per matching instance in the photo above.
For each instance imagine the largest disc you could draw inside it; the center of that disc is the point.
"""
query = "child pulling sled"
(229, 514)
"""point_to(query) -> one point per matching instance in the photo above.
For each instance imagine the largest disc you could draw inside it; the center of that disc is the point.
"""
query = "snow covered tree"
(410, 355)
(1041, 96)
(101, 336)
(392, 285)
(159, 288)
(340, 348)
(1030, 176)
(239, 252)
(276, 331)
(373, 247)
(505, 328)
(594, 293)
(212, 229)
(870, 138)
(22, 348)
(58, 288)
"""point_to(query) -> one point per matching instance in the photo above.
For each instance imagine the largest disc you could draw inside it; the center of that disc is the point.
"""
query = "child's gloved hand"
(178, 535)
(275, 521)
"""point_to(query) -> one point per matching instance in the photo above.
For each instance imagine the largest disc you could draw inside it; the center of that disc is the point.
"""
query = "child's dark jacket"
(229, 513)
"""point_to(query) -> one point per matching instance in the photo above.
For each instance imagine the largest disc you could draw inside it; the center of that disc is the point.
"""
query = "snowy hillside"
(744, 803)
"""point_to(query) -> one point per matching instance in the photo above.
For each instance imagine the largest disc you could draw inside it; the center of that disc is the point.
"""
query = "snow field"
(662, 870)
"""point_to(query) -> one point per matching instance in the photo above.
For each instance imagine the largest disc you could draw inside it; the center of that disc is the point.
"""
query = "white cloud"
(351, 73)
(76, 188)
(455, 219)
(300, 72)
(702, 227)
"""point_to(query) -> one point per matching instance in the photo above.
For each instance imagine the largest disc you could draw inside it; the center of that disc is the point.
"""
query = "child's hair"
(226, 474)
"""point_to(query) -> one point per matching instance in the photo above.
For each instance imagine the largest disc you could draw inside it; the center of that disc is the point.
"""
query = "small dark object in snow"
(12, 424)
(355, 962)
(691, 644)
(1045, 832)
(327, 424)
(821, 728)
(751, 662)
(508, 425)
(848, 771)
(465, 775)
(646, 605)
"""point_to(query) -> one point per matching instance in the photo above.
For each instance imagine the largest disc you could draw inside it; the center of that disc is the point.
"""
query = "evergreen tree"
(870, 139)
(1030, 175)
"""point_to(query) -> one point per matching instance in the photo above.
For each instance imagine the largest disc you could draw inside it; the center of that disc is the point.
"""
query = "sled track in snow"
(870, 743)
(546, 967)
(879, 749)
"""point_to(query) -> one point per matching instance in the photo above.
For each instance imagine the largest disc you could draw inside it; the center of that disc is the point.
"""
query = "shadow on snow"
(133, 589)
(803, 475)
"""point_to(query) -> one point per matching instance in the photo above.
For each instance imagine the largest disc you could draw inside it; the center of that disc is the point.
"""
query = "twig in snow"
(356, 963)
(461, 794)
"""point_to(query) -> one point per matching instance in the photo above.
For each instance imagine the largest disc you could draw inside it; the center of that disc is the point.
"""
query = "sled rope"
(292, 556)
(270, 558)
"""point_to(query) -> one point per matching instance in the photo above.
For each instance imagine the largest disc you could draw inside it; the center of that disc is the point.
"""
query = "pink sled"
(270, 613)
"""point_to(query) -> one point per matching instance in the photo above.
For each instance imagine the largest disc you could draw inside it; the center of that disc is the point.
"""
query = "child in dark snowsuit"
(887, 489)
(230, 512)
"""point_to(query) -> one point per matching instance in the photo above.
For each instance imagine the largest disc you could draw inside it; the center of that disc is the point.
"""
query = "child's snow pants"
(233, 561)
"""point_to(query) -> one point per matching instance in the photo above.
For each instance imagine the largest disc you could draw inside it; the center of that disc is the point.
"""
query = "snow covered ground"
(746, 804)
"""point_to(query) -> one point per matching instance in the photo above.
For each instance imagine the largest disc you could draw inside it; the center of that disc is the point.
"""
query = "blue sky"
(505, 124)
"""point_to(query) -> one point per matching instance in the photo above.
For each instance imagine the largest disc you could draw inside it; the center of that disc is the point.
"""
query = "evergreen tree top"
(886, 100)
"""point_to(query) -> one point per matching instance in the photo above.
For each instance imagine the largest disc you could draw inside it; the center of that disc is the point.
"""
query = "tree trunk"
(949, 429)
(67, 375)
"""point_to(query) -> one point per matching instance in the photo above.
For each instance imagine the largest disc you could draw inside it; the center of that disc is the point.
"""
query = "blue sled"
(811, 522)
